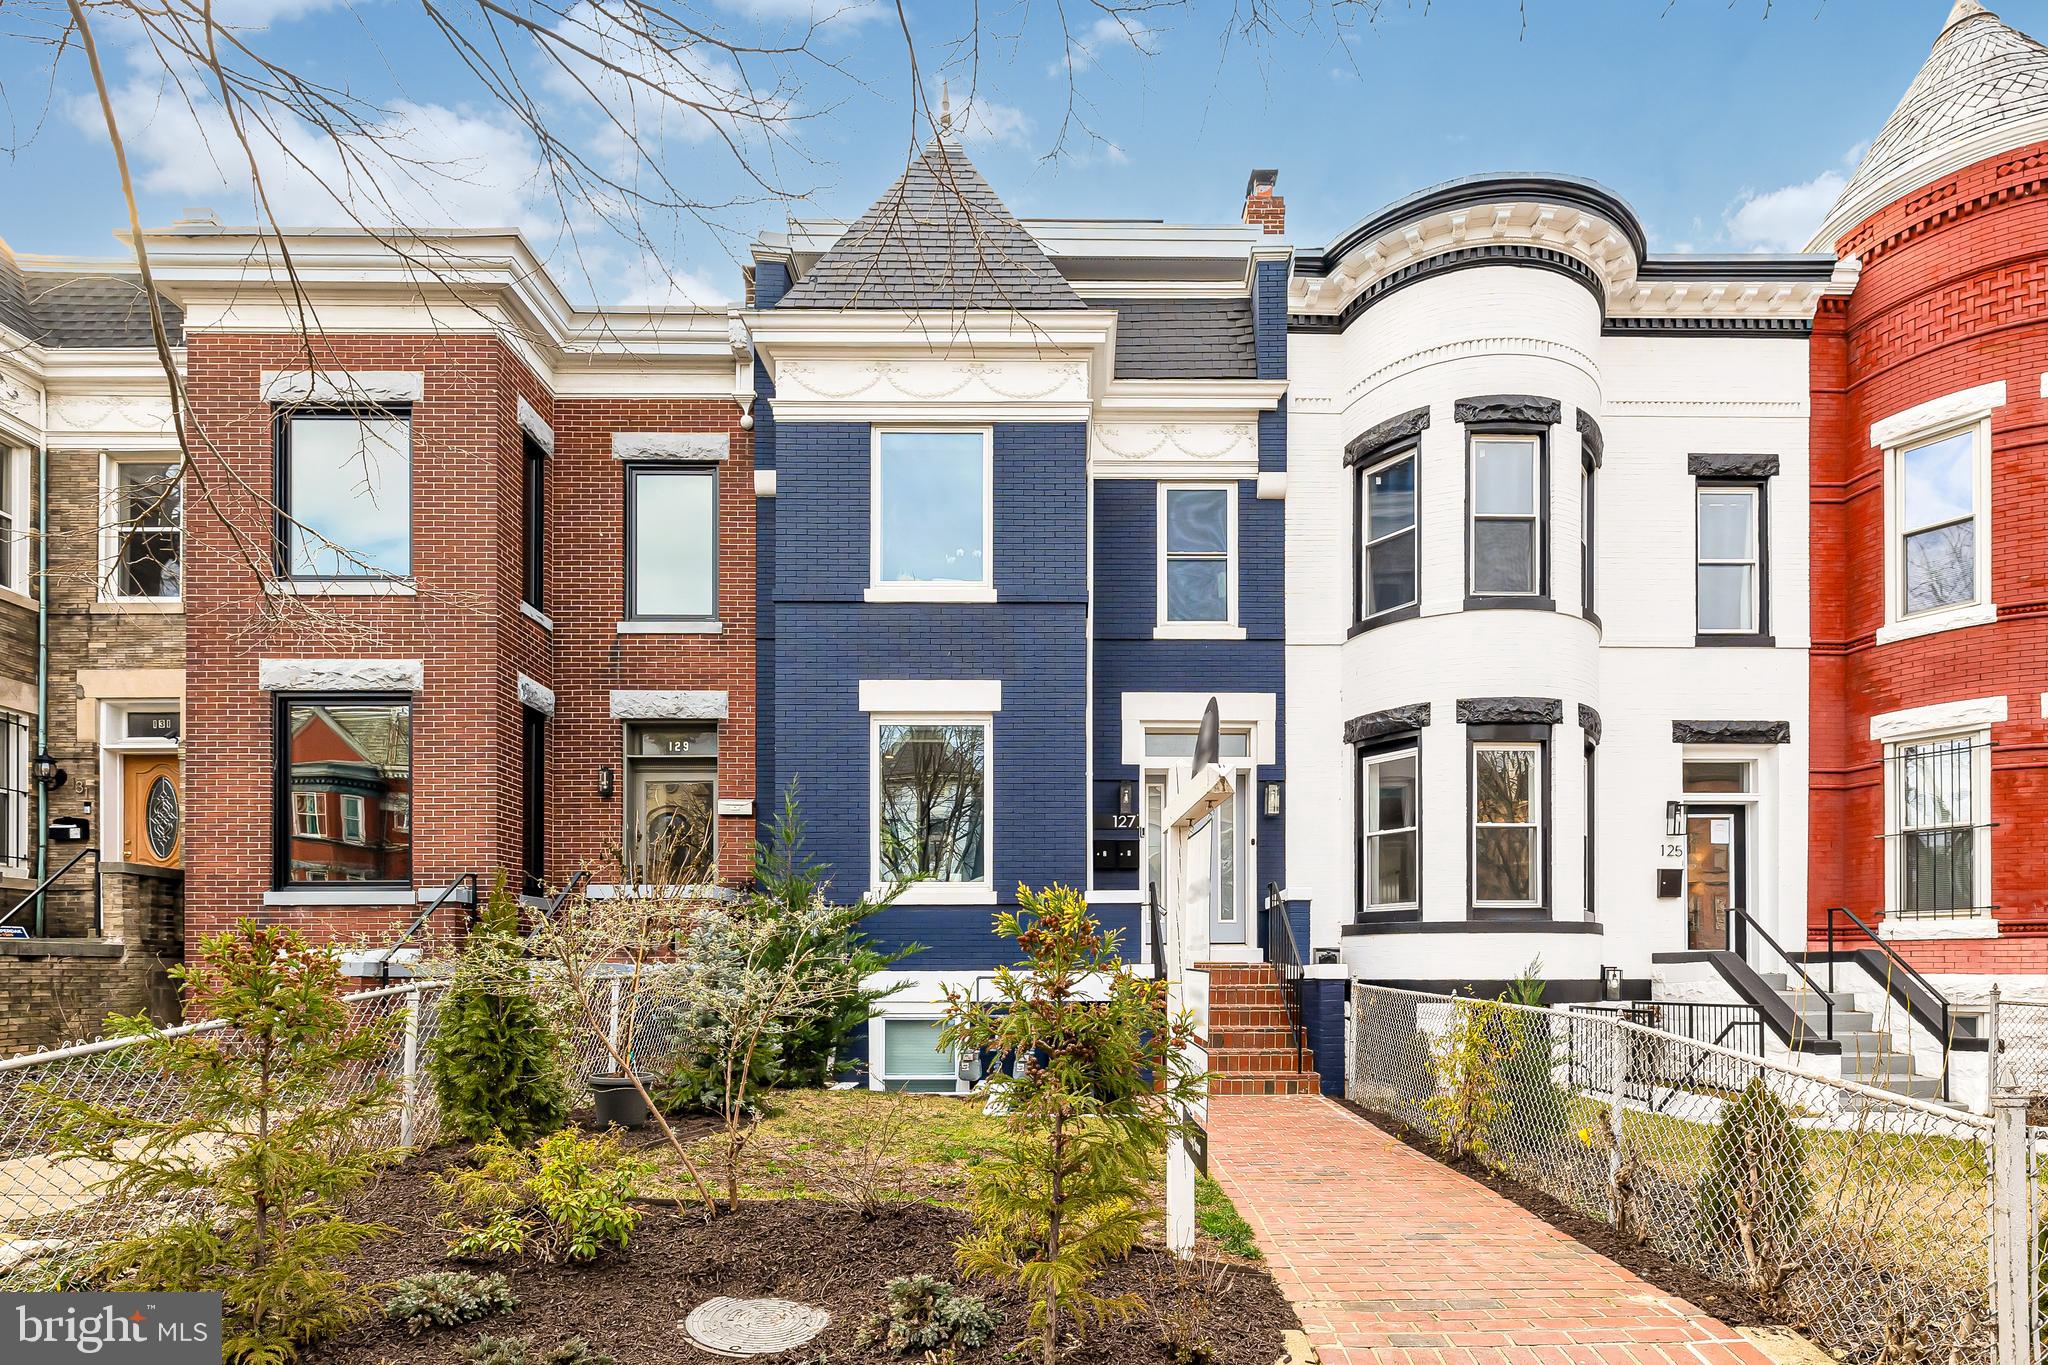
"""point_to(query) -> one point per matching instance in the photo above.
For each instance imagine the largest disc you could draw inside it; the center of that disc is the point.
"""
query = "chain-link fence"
(1865, 1217)
(2019, 1033)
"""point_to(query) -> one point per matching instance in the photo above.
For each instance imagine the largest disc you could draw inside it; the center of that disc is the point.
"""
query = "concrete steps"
(1869, 1055)
(1254, 1046)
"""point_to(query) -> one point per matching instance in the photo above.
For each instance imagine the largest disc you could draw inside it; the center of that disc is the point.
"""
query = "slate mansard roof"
(1983, 90)
(1184, 338)
(940, 238)
(76, 308)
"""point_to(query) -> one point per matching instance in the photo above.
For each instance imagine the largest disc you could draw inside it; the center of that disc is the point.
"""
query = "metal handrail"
(384, 967)
(1827, 998)
(43, 887)
(1155, 915)
(1913, 973)
(1285, 957)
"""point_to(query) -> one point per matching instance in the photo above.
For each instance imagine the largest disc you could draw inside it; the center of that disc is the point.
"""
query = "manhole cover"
(753, 1327)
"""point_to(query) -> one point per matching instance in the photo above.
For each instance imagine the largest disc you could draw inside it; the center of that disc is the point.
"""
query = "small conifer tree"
(497, 1061)
(276, 1130)
(1756, 1193)
(1102, 1080)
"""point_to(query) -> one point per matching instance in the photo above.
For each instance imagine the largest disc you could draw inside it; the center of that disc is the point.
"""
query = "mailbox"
(70, 829)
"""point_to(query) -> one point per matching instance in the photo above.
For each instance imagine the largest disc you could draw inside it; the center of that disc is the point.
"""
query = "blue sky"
(1727, 128)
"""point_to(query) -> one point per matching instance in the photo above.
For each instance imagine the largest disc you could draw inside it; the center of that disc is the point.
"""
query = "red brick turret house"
(1930, 520)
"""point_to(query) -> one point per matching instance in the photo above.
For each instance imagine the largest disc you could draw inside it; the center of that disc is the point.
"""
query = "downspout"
(42, 664)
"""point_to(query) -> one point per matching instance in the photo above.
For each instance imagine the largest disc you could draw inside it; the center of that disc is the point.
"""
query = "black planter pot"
(618, 1103)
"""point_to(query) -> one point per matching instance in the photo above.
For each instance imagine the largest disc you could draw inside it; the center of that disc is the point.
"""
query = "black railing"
(1654, 1063)
(546, 914)
(1155, 919)
(42, 890)
(1931, 1008)
(1284, 955)
(1742, 924)
(466, 879)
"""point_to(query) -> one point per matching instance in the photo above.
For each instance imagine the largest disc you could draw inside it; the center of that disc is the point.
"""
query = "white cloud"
(647, 281)
(983, 121)
(637, 84)
(1106, 35)
(1783, 219)
(820, 12)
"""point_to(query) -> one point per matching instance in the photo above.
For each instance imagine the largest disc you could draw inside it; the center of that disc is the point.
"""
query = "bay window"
(1388, 546)
(1506, 535)
(1507, 825)
(1939, 791)
(1936, 521)
(1390, 827)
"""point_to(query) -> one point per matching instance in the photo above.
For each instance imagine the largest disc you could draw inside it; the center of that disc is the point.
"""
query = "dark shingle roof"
(940, 238)
(1183, 338)
(78, 308)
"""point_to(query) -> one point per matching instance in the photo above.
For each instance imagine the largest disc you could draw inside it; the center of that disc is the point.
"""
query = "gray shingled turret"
(939, 239)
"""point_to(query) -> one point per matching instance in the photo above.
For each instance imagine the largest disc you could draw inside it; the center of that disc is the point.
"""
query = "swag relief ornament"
(933, 381)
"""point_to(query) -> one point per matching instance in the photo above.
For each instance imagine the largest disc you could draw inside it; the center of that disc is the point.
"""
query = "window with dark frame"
(533, 782)
(1592, 806)
(671, 542)
(1388, 546)
(344, 493)
(1732, 554)
(1390, 829)
(1507, 518)
(343, 762)
(1586, 509)
(533, 509)
(1510, 817)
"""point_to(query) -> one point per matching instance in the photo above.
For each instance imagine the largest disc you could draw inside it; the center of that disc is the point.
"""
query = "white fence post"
(1991, 1049)
(2013, 1293)
(409, 1077)
(1615, 1094)
(612, 1029)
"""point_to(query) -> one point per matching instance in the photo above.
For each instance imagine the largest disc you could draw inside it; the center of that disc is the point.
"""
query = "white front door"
(1198, 857)
(1226, 901)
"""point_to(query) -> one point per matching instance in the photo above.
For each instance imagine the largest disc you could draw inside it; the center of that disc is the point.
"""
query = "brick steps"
(1254, 1047)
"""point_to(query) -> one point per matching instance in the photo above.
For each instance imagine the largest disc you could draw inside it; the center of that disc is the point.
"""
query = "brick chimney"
(1262, 207)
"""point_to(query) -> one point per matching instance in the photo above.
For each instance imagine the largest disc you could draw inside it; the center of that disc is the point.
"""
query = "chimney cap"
(1260, 183)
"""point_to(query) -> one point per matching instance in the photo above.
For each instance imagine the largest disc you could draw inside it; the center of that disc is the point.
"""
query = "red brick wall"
(1954, 294)
(464, 624)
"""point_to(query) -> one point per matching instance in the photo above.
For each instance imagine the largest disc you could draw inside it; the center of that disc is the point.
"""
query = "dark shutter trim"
(1367, 445)
(1732, 466)
(1592, 441)
(1392, 721)
(1522, 409)
(1589, 721)
(1510, 711)
(1731, 732)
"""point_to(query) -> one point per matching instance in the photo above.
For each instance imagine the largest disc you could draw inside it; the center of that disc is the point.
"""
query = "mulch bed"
(1731, 1305)
(632, 1305)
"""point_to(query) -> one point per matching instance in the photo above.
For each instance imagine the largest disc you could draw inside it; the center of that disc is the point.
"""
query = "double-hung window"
(1388, 548)
(533, 522)
(1586, 540)
(672, 542)
(1197, 555)
(533, 782)
(1729, 596)
(1506, 535)
(13, 496)
(1507, 825)
(932, 801)
(145, 530)
(1939, 788)
(1937, 519)
(350, 753)
(344, 493)
(932, 518)
(1390, 802)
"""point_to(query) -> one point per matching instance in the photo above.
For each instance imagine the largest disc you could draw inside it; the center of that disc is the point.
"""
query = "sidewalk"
(1392, 1258)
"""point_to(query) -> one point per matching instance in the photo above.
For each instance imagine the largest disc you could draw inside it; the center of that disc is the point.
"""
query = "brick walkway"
(1392, 1258)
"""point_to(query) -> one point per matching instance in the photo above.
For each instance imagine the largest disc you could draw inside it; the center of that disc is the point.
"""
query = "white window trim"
(1967, 411)
(300, 812)
(1754, 563)
(878, 1053)
(1366, 543)
(1981, 923)
(352, 802)
(982, 591)
(981, 892)
(17, 779)
(114, 749)
(1367, 832)
(1536, 515)
(14, 558)
(1227, 628)
(1535, 822)
(112, 524)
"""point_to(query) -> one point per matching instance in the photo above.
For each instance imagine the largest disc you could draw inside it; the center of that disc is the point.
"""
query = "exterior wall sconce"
(1126, 798)
(604, 784)
(1271, 799)
(1674, 818)
(46, 773)
(1610, 983)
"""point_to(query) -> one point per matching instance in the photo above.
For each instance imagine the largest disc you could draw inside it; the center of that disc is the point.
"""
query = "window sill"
(18, 599)
(1976, 614)
(1478, 602)
(1734, 640)
(1385, 618)
(938, 893)
(342, 893)
(341, 587)
(671, 628)
(1893, 928)
(137, 606)
(1189, 630)
(929, 592)
(536, 615)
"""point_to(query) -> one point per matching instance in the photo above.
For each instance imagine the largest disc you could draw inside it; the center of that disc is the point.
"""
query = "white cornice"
(1226, 397)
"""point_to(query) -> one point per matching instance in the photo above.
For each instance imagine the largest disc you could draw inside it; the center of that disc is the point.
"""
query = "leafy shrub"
(276, 1131)
(1466, 1060)
(926, 1314)
(1102, 1082)
(522, 1350)
(565, 1200)
(497, 1059)
(1538, 1109)
(1755, 1193)
(447, 1298)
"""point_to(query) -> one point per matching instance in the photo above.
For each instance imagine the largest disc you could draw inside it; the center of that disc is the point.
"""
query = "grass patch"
(1219, 1220)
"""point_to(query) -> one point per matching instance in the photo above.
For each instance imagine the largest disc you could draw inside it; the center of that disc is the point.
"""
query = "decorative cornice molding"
(1731, 732)
(681, 446)
(1707, 326)
(343, 386)
(1450, 262)
(1528, 408)
(1510, 711)
(1592, 441)
(1589, 721)
(1466, 349)
(1949, 410)
(1395, 720)
(340, 675)
(1395, 430)
(1714, 466)
(628, 705)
